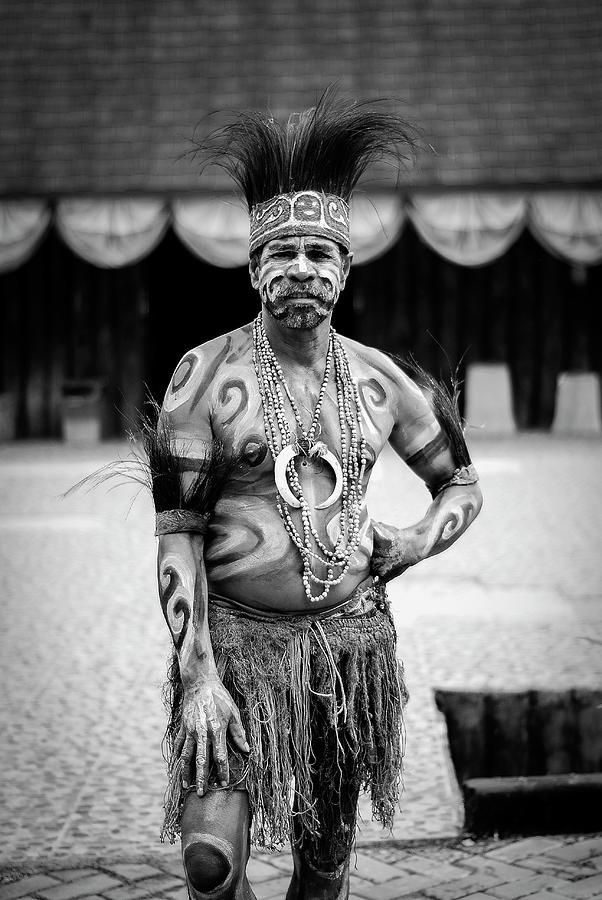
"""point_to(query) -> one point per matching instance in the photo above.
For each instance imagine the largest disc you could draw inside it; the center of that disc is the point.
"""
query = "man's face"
(299, 279)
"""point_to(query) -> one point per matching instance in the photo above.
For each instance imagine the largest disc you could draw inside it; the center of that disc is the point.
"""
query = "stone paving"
(538, 868)
(515, 604)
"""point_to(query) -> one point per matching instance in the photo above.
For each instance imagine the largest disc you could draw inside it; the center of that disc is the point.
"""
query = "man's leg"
(309, 884)
(215, 845)
(322, 864)
(321, 871)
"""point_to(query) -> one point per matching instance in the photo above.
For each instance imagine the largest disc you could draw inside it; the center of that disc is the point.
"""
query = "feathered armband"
(158, 462)
(443, 400)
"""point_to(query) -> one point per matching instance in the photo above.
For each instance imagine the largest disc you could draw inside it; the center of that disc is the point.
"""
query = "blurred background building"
(116, 257)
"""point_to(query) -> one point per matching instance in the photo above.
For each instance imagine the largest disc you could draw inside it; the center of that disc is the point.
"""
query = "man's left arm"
(448, 516)
(421, 441)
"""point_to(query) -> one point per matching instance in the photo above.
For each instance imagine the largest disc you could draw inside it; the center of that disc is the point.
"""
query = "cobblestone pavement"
(516, 603)
(537, 868)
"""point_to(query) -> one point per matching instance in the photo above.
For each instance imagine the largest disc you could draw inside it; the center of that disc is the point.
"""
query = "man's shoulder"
(407, 400)
(223, 347)
(197, 373)
(382, 363)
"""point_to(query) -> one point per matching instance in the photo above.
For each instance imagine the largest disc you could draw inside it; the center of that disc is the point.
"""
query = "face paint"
(300, 279)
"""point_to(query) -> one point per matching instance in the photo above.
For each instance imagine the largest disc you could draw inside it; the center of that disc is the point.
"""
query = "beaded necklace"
(284, 447)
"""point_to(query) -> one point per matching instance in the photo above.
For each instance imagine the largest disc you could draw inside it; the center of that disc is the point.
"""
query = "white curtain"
(111, 233)
(569, 224)
(214, 228)
(23, 223)
(468, 228)
(376, 223)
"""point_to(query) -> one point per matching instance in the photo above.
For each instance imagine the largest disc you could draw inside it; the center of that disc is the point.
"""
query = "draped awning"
(214, 228)
(23, 224)
(112, 233)
(569, 225)
(470, 228)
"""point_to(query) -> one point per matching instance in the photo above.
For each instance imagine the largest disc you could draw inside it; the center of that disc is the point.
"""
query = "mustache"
(312, 293)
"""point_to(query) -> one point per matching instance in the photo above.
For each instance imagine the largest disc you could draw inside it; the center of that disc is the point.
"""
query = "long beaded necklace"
(284, 447)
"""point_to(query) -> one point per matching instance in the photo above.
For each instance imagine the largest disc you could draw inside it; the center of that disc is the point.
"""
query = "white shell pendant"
(282, 461)
(319, 449)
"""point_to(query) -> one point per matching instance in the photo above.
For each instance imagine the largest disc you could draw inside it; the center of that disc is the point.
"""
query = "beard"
(306, 313)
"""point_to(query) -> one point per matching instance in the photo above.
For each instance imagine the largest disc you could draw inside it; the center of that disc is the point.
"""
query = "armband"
(173, 521)
(462, 475)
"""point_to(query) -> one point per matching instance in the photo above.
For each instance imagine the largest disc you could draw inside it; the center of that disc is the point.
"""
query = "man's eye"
(317, 255)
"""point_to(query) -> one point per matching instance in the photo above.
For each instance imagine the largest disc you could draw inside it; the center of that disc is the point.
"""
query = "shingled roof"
(103, 96)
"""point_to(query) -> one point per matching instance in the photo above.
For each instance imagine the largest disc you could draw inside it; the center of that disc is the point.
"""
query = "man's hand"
(448, 517)
(209, 714)
(394, 550)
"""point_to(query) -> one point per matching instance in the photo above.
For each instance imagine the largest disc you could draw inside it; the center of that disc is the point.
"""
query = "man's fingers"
(186, 760)
(179, 741)
(202, 763)
(220, 755)
(237, 733)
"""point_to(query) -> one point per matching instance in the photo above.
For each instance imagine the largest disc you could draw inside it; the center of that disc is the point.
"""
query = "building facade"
(116, 256)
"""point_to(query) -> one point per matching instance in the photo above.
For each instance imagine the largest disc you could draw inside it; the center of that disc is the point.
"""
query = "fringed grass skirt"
(321, 698)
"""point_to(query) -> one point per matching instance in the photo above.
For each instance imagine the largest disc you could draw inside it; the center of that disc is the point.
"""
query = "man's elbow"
(477, 498)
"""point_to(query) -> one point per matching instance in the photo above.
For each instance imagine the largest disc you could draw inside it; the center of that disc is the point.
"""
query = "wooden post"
(507, 733)
(464, 713)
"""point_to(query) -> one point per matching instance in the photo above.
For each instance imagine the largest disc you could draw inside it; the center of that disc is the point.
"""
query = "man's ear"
(346, 260)
(254, 270)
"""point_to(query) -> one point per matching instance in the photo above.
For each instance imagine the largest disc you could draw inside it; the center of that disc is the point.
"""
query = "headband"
(300, 213)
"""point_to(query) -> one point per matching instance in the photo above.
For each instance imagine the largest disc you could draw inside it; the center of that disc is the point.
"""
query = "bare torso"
(249, 557)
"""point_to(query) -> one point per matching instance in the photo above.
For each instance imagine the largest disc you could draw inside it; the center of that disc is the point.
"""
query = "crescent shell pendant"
(335, 465)
(282, 460)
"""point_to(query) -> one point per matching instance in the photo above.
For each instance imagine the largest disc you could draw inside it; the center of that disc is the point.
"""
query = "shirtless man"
(247, 555)
(285, 381)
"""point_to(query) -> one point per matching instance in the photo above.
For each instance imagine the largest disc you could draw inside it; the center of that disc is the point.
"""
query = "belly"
(249, 557)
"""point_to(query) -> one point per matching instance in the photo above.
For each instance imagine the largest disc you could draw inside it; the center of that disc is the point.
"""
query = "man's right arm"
(209, 714)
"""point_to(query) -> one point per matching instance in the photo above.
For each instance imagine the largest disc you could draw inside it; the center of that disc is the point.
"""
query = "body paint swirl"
(373, 398)
(227, 394)
(450, 523)
(176, 585)
(210, 373)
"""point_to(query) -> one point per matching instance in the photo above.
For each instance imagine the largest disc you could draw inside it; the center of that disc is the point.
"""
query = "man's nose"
(299, 268)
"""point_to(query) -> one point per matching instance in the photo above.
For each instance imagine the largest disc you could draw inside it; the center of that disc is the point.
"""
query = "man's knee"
(215, 844)
(209, 864)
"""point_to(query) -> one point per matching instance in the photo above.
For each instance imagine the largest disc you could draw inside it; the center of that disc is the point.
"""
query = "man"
(288, 695)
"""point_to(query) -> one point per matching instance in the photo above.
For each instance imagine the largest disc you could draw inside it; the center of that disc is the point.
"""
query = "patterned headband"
(300, 213)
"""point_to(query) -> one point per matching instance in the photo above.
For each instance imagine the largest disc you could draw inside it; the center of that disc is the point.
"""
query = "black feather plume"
(443, 399)
(326, 148)
(165, 468)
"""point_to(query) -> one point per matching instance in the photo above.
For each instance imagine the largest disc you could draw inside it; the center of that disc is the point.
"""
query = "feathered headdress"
(297, 177)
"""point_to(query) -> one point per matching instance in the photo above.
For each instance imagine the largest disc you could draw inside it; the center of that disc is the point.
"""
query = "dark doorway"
(190, 302)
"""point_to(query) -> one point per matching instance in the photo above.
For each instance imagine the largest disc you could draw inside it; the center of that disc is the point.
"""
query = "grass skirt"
(321, 699)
